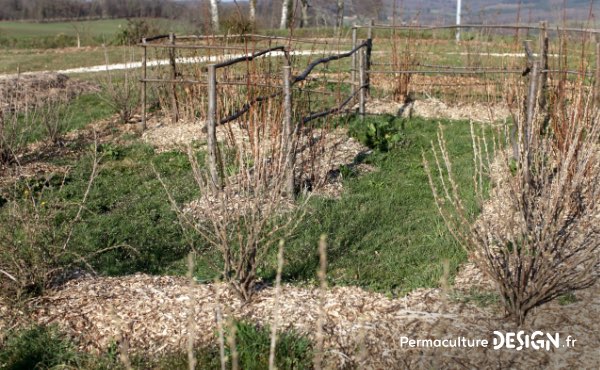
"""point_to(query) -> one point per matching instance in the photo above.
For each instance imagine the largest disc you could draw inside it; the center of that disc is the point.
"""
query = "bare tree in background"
(252, 5)
(339, 22)
(285, 14)
(305, 6)
(214, 15)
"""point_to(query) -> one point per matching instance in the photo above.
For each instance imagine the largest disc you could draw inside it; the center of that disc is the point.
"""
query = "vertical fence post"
(597, 75)
(543, 58)
(144, 83)
(362, 81)
(368, 60)
(354, 62)
(370, 31)
(211, 128)
(174, 102)
(531, 103)
(288, 132)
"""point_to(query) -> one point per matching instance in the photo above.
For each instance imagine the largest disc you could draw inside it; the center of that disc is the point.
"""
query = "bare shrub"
(35, 235)
(403, 59)
(122, 91)
(16, 129)
(54, 117)
(538, 237)
(245, 219)
(252, 211)
(136, 29)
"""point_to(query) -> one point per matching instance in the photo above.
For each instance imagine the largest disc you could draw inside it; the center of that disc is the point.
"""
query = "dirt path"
(156, 63)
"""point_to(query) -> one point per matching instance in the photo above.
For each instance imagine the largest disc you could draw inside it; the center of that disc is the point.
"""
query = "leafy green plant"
(567, 299)
(110, 150)
(38, 347)
(382, 133)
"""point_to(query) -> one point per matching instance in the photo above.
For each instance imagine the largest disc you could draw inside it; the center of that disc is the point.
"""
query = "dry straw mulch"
(361, 328)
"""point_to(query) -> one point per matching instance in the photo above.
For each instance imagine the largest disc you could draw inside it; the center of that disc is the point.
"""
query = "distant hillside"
(495, 11)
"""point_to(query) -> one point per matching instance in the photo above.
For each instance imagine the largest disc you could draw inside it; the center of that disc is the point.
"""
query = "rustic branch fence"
(537, 70)
(290, 128)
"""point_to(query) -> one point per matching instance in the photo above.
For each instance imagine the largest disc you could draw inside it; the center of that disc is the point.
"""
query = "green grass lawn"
(92, 32)
(76, 114)
(107, 27)
(31, 60)
(384, 232)
(42, 347)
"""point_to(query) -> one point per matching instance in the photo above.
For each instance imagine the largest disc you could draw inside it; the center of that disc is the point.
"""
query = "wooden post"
(144, 83)
(531, 104)
(174, 100)
(288, 132)
(362, 80)
(211, 129)
(354, 62)
(543, 59)
(597, 76)
(370, 32)
(368, 57)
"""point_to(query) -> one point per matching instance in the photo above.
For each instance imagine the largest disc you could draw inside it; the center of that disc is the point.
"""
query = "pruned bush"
(245, 218)
(16, 129)
(252, 207)
(54, 118)
(538, 236)
(122, 91)
(35, 233)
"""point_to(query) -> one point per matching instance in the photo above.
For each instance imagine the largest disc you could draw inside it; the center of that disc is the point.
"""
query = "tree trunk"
(214, 15)
(305, 7)
(340, 14)
(285, 14)
(252, 4)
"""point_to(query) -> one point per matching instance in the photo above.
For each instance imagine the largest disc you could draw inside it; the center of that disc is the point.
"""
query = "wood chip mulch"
(362, 328)
(27, 90)
(436, 109)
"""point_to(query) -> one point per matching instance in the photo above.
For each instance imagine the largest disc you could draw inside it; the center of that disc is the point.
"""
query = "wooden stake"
(144, 83)
(288, 132)
(368, 56)
(370, 32)
(363, 77)
(211, 128)
(174, 100)
(354, 62)
(531, 104)
(543, 58)
(597, 76)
